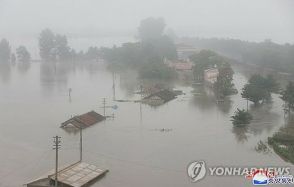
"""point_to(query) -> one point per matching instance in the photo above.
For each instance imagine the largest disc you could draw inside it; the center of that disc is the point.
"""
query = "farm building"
(84, 120)
(210, 75)
(159, 98)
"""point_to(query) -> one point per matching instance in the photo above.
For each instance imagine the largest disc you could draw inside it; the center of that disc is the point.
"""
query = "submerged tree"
(154, 41)
(54, 47)
(5, 51)
(23, 55)
(157, 71)
(241, 118)
(93, 54)
(202, 61)
(253, 93)
(47, 45)
(151, 29)
(288, 96)
(259, 89)
(13, 58)
(62, 48)
(224, 86)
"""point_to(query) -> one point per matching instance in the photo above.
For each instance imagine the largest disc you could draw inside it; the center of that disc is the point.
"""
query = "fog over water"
(143, 145)
(243, 19)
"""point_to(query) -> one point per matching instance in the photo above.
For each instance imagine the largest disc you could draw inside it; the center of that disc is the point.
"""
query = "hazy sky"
(253, 20)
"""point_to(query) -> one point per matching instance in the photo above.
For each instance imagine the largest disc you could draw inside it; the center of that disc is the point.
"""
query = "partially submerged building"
(210, 75)
(184, 51)
(84, 120)
(79, 174)
(180, 65)
(159, 98)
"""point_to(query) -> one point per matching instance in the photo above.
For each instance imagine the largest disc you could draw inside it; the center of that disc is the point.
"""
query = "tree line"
(54, 48)
(148, 54)
(7, 56)
(267, 53)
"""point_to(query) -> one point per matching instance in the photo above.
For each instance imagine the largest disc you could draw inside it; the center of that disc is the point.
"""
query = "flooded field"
(34, 102)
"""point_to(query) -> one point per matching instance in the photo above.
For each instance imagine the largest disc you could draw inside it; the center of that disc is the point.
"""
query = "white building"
(210, 75)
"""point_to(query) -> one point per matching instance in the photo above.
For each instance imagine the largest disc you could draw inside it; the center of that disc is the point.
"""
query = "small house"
(84, 120)
(180, 65)
(184, 51)
(159, 97)
(210, 75)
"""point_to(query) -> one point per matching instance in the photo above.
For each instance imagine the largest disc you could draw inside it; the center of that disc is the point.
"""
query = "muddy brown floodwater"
(34, 101)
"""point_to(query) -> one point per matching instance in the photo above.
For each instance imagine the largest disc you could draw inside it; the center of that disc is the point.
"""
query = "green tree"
(241, 117)
(151, 29)
(259, 88)
(157, 71)
(93, 54)
(153, 48)
(23, 55)
(5, 51)
(47, 45)
(271, 84)
(13, 58)
(268, 83)
(224, 86)
(62, 48)
(287, 95)
(154, 42)
(253, 93)
(203, 60)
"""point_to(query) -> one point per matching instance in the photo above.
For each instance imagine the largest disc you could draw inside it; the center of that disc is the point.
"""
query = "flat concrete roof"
(79, 174)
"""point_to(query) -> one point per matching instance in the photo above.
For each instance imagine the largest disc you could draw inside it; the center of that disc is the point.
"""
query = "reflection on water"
(5, 71)
(204, 98)
(128, 82)
(55, 75)
(23, 67)
(241, 133)
(264, 120)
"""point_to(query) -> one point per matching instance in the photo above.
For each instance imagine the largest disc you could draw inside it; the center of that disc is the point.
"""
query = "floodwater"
(34, 102)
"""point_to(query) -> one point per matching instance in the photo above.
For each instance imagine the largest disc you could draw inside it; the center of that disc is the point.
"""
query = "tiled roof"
(84, 120)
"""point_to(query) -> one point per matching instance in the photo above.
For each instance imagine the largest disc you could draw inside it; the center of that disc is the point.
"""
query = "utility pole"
(56, 147)
(141, 93)
(81, 145)
(113, 85)
(69, 94)
(104, 106)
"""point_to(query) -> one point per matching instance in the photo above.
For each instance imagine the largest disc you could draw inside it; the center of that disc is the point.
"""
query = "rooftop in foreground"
(79, 174)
